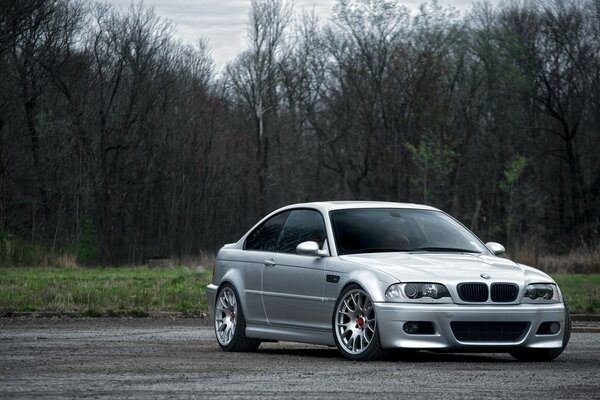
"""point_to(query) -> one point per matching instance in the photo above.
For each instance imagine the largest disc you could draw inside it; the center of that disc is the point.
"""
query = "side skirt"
(270, 332)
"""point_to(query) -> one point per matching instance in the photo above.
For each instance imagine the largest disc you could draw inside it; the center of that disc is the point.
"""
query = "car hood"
(455, 268)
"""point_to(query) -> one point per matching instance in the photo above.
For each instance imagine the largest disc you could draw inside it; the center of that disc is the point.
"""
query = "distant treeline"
(118, 142)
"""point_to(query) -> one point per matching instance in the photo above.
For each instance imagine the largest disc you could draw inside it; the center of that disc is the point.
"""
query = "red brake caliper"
(361, 322)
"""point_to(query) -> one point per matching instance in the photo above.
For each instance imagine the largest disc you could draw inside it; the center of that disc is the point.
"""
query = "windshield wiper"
(446, 249)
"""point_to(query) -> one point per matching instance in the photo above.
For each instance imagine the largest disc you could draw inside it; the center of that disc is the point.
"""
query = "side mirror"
(495, 248)
(310, 249)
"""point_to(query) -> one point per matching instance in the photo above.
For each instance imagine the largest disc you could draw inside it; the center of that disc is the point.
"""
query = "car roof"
(344, 205)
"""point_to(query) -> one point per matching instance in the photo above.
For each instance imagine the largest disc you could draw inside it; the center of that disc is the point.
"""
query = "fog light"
(411, 328)
(549, 328)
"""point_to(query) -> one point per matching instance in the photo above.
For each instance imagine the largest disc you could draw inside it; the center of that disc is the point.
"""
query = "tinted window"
(302, 226)
(266, 236)
(378, 230)
(441, 231)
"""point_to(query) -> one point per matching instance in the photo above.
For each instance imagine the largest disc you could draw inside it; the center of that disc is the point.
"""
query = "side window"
(265, 237)
(302, 226)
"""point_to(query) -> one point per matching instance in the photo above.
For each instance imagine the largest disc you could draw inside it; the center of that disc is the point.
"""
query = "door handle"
(269, 263)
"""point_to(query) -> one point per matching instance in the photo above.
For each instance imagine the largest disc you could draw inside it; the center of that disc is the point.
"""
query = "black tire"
(237, 341)
(529, 355)
(367, 330)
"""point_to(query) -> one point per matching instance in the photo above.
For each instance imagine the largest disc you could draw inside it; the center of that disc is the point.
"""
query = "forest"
(120, 142)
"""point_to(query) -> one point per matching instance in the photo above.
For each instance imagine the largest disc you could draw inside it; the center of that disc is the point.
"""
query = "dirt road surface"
(179, 358)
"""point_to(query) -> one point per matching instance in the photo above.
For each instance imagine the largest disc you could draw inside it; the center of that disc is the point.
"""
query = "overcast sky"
(223, 22)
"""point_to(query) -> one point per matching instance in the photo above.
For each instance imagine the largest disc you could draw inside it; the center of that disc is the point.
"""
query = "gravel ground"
(179, 358)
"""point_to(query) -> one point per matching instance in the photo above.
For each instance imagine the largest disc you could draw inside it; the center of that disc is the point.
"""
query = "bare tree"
(119, 142)
(46, 33)
(254, 78)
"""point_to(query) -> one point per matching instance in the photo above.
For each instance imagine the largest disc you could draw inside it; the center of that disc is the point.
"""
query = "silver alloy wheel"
(355, 321)
(225, 316)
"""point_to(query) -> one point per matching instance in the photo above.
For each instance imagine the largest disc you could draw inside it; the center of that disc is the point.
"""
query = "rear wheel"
(355, 326)
(546, 354)
(230, 325)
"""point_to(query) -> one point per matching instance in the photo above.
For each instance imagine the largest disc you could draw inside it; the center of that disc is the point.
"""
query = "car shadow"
(396, 355)
(324, 352)
(438, 357)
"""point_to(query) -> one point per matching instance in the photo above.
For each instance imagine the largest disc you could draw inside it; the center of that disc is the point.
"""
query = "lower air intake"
(488, 331)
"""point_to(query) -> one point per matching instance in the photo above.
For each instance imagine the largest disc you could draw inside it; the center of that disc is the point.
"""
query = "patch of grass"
(582, 291)
(104, 291)
(98, 292)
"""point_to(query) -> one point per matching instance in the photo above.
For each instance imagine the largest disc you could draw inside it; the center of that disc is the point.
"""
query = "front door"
(292, 284)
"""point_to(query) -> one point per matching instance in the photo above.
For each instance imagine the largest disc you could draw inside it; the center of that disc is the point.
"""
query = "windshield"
(374, 230)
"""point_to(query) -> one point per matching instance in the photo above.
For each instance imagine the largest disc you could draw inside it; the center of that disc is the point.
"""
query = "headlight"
(416, 291)
(542, 293)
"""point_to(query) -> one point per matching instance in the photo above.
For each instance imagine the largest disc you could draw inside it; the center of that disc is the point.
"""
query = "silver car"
(371, 276)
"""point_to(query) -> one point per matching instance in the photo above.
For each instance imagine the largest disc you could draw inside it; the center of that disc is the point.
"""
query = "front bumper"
(391, 318)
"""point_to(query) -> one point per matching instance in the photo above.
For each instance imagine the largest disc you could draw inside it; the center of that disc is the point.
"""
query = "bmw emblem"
(485, 276)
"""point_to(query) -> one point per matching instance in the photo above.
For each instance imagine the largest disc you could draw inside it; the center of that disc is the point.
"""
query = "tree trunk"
(35, 151)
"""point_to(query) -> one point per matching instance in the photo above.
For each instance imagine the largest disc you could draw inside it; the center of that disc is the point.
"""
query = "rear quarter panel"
(243, 270)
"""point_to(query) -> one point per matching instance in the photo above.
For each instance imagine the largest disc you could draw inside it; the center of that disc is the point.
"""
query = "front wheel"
(355, 326)
(546, 354)
(230, 325)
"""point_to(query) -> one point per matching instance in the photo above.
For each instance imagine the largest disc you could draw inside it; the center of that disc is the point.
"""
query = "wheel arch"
(372, 350)
(368, 281)
(235, 280)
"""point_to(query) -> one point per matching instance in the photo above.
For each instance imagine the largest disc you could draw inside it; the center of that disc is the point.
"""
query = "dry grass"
(17, 252)
(204, 260)
(582, 260)
(66, 260)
